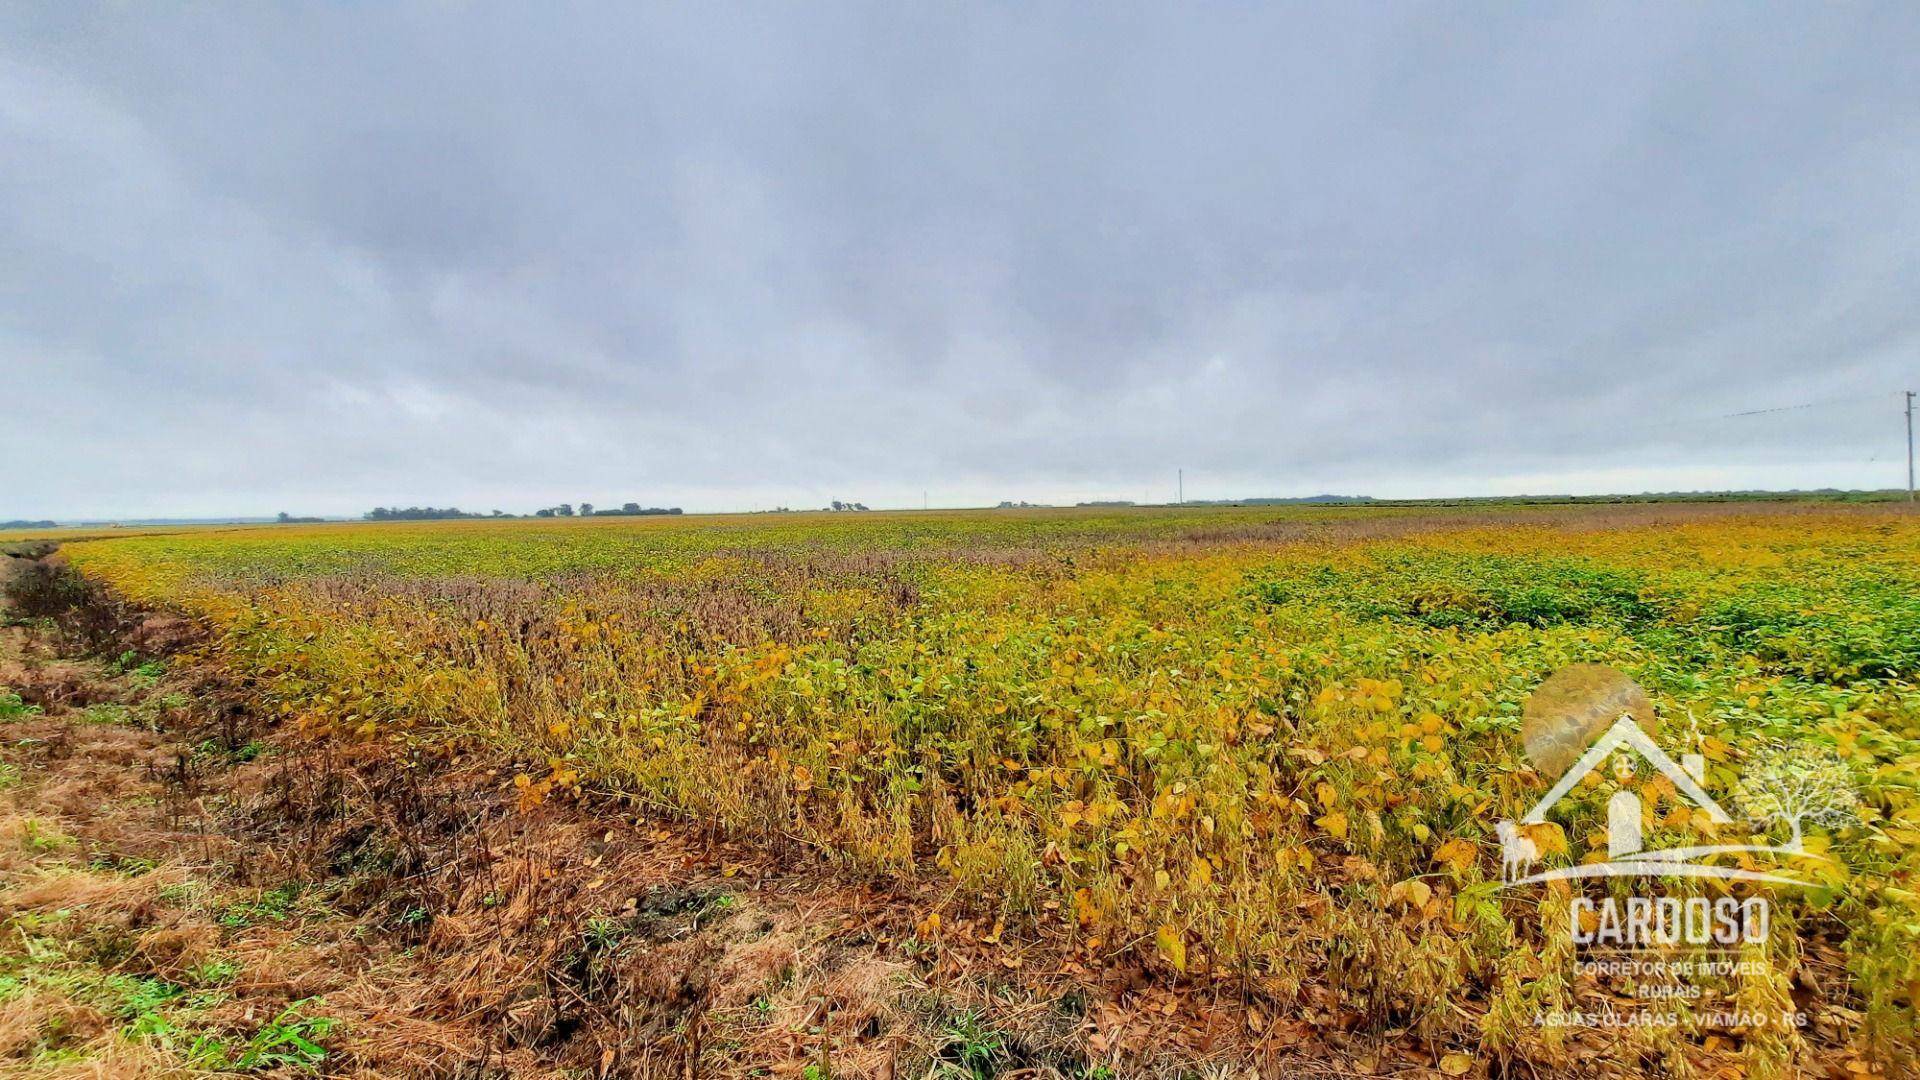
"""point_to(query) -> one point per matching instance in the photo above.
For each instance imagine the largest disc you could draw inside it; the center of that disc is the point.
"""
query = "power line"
(1907, 395)
(1846, 399)
(1650, 426)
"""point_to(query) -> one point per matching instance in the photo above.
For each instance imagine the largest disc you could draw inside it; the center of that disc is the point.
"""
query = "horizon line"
(1676, 495)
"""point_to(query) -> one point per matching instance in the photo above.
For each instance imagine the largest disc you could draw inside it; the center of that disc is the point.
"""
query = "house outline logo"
(1625, 855)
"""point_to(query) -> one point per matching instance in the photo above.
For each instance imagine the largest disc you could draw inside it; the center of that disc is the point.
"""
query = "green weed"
(12, 708)
(215, 972)
(42, 838)
(604, 934)
(292, 1039)
(969, 1043)
(105, 713)
(273, 905)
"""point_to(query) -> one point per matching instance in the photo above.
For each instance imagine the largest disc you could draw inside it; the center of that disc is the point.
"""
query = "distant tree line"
(435, 513)
(23, 524)
(1282, 502)
(838, 505)
(423, 513)
(288, 519)
(587, 510)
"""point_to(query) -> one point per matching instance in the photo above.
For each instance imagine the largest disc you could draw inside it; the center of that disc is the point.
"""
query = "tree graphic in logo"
(1796, 786)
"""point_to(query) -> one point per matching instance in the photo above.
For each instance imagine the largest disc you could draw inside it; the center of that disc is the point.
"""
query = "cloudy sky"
(317, 257)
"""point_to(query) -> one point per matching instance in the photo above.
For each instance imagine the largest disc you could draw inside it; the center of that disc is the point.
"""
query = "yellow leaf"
(1456, 1064)
(1456, 853)
(1085, 909)
(1172, 946)
(1589, 919)
(1334, 823)
(1547, 837)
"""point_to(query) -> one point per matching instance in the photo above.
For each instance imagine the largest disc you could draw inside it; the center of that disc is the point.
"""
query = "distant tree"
(629, 508)
(564, 509)
(586, 509)
(285, 517)
(415, 513)
(545, 511)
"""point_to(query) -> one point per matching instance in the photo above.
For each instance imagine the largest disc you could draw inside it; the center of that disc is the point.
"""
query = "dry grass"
(132, 942)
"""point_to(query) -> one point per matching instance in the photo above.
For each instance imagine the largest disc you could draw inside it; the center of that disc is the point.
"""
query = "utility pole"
(1909, 446)
(1182, 473)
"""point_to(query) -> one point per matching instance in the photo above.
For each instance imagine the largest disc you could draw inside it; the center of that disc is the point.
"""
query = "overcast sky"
(320, 257)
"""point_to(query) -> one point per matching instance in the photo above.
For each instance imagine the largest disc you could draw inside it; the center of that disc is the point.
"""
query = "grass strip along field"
(1261, 746)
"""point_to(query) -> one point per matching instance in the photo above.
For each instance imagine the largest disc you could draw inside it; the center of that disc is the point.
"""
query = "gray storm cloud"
(321, 257)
